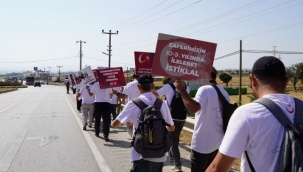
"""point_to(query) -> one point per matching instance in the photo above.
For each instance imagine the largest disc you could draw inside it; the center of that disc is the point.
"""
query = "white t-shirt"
(131, 90)
(168, 91)
(86, 98)
(77, 91)
(132, 112)
(253, 128)
(208, 128)
(114, 99)
(101, 95)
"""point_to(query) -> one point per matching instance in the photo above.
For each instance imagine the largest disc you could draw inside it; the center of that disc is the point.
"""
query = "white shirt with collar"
(169, 92)
(133, 112)
(101, 95)
(86, 98)
(131, 90)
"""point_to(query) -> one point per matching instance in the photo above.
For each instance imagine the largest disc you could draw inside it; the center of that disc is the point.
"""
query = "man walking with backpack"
(254, 133)
(130, 92)
(179, 115)
(208, 128)
(150, 141)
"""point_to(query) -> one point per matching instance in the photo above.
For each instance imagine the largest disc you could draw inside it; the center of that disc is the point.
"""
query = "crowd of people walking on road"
(253, 133)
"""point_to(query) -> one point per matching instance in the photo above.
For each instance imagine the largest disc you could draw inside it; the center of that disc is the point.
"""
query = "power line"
(227, 55)
(193, 33)
(155, 13)
(165, 15)
(220, 15)
(280, 28)
(141, 14)
(209, 19)
(107, 60)
(274, 51)
(284, 27)
(199, 31)
(40, 60)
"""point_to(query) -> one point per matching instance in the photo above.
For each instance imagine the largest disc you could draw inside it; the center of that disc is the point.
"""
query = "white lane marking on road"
(33, 138)
(46, 139)
(11, 153)
(96, 152)
(15, 104)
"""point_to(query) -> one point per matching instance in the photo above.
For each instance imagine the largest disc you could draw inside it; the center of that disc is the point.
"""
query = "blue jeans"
(175, 137)
(113, 108)
(147, 166)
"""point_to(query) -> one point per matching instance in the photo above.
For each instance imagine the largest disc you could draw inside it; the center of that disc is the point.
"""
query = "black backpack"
(291, 153)
(151, 138)
(227, 108)
(177, 107)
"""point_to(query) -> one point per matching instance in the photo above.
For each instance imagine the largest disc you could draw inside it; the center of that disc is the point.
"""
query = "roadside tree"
(225, 77)
(295, 73)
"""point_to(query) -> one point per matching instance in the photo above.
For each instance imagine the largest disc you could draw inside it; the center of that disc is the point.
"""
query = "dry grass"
(4, 89)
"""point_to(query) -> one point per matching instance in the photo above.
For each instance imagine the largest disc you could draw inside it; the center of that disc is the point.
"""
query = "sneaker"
(90, 126)
(84, 127)
(177, 169)
(170, 159)
(106, 139)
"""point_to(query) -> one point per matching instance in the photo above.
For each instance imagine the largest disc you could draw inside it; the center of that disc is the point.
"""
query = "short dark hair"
(146, 81)
(135, 76)
(269, 70)
(213, 73)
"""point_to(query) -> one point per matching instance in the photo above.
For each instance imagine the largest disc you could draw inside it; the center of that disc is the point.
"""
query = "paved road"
(42, 131)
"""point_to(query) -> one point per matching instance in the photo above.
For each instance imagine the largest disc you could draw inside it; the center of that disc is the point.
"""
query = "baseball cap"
(145, 79)
(269, 65)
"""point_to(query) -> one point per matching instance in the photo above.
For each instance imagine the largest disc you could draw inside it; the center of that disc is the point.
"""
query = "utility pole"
(110, 44)
(48, 74)
(240, 73)
(81, 52)
(59, 72)
(274, 50)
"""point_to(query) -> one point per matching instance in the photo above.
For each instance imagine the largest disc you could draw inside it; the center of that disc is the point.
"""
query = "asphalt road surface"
(41, 131)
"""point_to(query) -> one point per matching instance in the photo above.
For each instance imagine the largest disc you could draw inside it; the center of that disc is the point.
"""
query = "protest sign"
(111, 77)
(82, 77)
(184, 58)
(71, 79)
(95, 74)
(144, 62)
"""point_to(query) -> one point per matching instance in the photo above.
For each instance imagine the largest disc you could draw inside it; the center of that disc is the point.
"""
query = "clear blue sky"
(34, 30)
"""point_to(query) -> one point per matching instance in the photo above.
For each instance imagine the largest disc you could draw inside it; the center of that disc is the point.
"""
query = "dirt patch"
(186, 136)
(5, 90)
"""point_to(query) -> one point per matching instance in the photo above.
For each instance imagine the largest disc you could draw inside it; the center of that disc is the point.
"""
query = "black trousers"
(147, 166)
(200, 161)
(102, 109)
(79, 103)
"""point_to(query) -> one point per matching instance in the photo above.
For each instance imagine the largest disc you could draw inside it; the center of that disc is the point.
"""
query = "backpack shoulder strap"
(299, 115)
(299, 111)
(220, 95)
(275, 110)
(138, 102)
(158, 103)
(172, 86)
